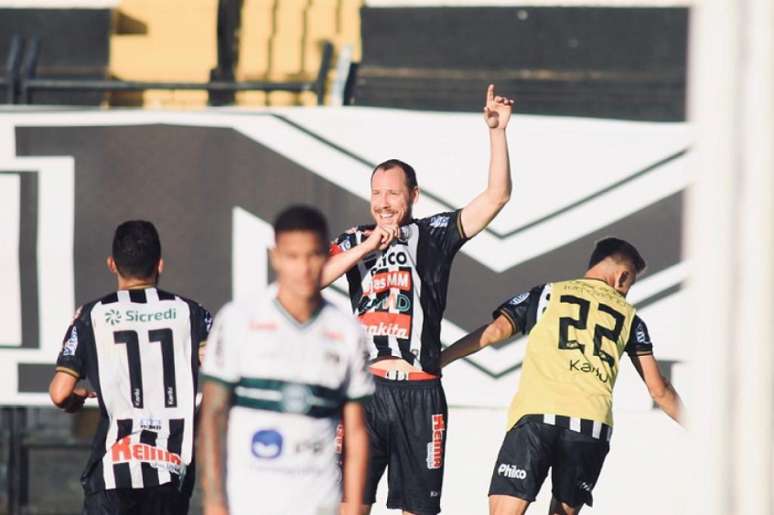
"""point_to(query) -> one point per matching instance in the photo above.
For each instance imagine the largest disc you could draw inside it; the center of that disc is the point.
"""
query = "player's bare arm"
(378, 239)
(500, 329)
(65, 393)
(355, 457)
(482, 209)
(216, 402)
(662, 392)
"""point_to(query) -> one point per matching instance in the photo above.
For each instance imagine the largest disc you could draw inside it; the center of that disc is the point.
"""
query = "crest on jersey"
(113, 317)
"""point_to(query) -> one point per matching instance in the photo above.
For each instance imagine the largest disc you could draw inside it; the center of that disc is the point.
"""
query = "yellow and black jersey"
(577, 332)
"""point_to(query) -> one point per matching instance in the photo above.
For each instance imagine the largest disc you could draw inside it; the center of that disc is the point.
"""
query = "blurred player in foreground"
(398, 273)
(138, 347)
(280, 373)
(561, 417)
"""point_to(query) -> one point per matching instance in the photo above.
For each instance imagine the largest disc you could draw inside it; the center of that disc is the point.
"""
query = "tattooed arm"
(216, 403)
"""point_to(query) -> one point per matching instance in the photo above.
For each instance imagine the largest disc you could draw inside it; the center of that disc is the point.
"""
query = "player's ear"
(414, 195)
(160, 266)
(111, 264)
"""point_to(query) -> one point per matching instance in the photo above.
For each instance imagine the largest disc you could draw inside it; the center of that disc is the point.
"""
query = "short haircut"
(136, 249)
(617, 248)
(408, 171)
(301, 218)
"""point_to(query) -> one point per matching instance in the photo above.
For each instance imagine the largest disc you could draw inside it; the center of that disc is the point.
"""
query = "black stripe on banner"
(175, 441)
(165, 295)
(150, 475)
(121, 471)
(111, 298)
(138, 296)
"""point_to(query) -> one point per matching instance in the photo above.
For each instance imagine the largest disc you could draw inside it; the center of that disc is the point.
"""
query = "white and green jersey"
(289, 382)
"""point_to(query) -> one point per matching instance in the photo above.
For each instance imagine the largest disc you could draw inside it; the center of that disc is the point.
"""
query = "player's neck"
(600, 275)
(302, 309)
(134, 283)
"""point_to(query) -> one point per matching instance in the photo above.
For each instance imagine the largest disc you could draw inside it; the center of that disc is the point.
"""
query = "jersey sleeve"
(72, 357)
(345, 241)
(221, 361)
(522, 309)
(639, 339)
(447, 231)
(203, 321)
(359, 383)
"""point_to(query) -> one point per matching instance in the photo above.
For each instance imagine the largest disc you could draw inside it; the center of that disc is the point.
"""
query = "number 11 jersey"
(139, 350)
(577, 332)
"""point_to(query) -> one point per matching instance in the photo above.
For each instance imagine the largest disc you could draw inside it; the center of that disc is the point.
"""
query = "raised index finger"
(490, 94)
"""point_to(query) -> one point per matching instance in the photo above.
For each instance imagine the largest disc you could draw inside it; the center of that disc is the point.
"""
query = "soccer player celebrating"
(139, 349)
(280, 373)
(561, 417)
(398, 274)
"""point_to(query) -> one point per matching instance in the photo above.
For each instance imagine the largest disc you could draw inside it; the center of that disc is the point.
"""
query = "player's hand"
(380, 237)
(77, 398)
(497, 110)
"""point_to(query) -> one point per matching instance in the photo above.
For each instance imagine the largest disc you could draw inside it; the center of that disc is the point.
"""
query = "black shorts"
(407, 429)
(530, 448)
(155, 500)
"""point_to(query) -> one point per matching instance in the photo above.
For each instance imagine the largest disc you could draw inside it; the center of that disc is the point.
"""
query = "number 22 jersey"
(577, 332)
(139, 350)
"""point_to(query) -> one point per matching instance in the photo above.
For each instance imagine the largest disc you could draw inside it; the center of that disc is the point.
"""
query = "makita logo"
(124, 450)
(435, 447)
(511, 471)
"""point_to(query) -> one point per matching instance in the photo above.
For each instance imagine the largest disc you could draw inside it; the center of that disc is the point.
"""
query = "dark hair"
(136, 249)
(301, 218)
(408, 171)
(619, 248)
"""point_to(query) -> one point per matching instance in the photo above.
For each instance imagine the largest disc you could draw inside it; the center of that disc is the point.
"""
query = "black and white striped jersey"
(139, 350)
(399, 294)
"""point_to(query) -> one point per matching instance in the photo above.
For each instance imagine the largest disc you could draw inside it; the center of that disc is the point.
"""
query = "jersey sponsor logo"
(386, 324)
(439, 221)
(339, 438)
(435, 446)
(113, 317)
(518, 299)
(267, 444)
(137, 316)
(124, 451)
(391, 258)
(151, 424)
(262, 326)
(511, 471)
(587, 368)
(386, 280)
(71, 345)
(641, 335)
(336, 336)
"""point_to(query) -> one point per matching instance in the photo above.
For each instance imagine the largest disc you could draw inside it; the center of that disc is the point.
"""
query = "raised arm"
(216, 402)
(662, 393)
(482, 209)
(499, 330)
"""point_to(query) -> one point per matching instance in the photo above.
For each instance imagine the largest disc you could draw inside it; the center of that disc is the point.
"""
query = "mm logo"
(113, 317)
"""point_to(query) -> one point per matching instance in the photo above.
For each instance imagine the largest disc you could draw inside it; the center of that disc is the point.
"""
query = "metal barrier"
(20, 78)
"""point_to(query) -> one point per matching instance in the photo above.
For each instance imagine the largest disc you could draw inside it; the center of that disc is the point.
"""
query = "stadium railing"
(20, 78)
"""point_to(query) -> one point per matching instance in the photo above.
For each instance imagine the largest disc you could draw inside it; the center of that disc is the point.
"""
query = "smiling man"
(398, 273)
